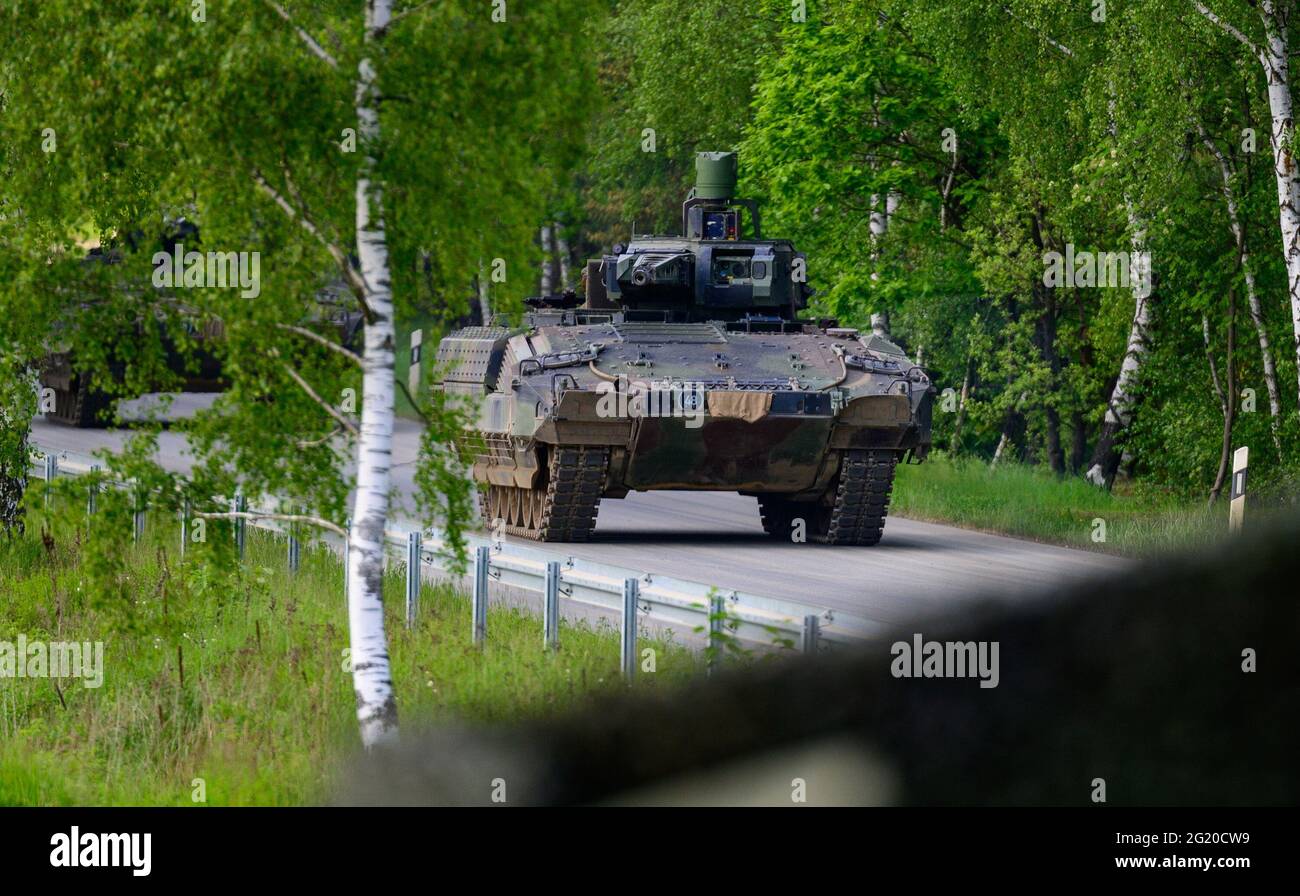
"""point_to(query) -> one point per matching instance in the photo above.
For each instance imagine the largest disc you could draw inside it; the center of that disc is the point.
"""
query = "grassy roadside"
(1013, 499)
(263, 712)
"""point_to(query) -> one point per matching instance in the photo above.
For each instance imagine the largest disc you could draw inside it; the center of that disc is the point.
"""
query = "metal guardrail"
(615, 592)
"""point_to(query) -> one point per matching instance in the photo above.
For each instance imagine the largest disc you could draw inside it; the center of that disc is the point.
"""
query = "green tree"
(371, 156)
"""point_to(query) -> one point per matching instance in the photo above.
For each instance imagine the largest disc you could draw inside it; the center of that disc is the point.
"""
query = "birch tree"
(1120, 405)
(483, 292)
(1273, 55)
(564, 255)
(1238, 230)
(371, 672)
(16, 406)
(1106, 457)
(358, 151)
(547, 280)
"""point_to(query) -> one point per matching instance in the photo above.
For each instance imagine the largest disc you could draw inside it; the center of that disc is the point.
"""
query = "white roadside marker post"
(1237, 504)
(413, 372)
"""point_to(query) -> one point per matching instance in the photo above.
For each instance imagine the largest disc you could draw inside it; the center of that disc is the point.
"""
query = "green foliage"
(263, 711)
(445, 490)
(142, 114)
(17, 404)
(844, 116)
(683, 69)
(1067, 130)
(1017, 500)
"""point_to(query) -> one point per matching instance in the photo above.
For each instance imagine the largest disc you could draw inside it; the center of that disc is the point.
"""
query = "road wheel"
(852, 510)
(561, 507)
(778, 514)
(854, 507)
(80, 405)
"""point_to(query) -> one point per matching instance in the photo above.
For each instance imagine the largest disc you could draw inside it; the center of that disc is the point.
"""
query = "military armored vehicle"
(687, 367)
(80, 404)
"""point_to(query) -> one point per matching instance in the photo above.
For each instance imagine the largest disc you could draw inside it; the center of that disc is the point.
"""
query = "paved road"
(716, 538)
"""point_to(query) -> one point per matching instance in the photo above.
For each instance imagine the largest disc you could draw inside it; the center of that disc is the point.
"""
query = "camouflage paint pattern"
(818, 402)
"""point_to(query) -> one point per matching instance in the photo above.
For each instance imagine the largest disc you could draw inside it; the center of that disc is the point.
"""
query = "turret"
(711, 271)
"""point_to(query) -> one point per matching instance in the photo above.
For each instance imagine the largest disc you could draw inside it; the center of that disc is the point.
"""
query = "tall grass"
(1014, 499)
(263, 712)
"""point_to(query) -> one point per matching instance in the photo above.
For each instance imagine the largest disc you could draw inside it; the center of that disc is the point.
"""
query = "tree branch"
(277, 517)
(316, 337)
(1054, 44)
(407, 392)
(311, 42)
(1225, 27)
(350, 272)
(1214, 370)
(329, 408)
(316, 443)
(410, 10)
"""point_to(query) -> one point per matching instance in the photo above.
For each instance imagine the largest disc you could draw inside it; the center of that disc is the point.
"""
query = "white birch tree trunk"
(892, 201)
(1119, 409)
(1252, 293)
(1106, 459)
(1004, 441)
(484, 295)
(371, 674)
(548, 282)
(15, 429)
(878, 222)
(562, 252)
(1273, 56)
(880, 324)
(954, 443)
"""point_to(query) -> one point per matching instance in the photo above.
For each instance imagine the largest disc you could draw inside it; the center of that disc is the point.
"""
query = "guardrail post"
(347, 555)
(414, 550)
(551, 608)
(185, 526)
(138, 506)
(627, 646)
(479, 600)
(717, 609)
(811, 633)
(51, 470)
(94, 491)
(240, 505)
(295, 550)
